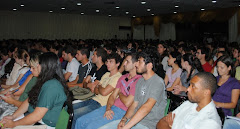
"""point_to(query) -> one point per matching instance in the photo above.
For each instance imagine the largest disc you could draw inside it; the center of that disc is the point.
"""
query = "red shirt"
(207, 67)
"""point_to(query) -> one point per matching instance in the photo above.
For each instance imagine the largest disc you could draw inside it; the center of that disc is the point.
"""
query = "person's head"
(188, 60)
(68, 53)
(50, 68)
(202, 86)
(146, 60)
(99, 55)
(34, 64)
(113, 61)
(130, 62)
(130, 46)
(162, 49)
(225, 66)
(45, 47)
(4, 54)
(82, 54)
(174, 58)
(202, 53)
(21, 57)
(235, 52)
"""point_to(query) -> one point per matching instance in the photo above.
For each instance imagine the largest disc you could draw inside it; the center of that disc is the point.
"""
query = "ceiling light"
(50, 11)
(22, 5)
(152, 14)
(214, 1)
(97, 10)
(117, 7)
(14, 9)
(63, 8)
(82, 13)
(134, 16)
(79, 4)
(202, 9)
(127, 12)
(175, 12)
(176, 6)
(109, 15)
(143, 2)
(148, 10)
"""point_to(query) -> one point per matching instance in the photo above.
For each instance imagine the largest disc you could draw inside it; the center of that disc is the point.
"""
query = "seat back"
(167, 107)
(65, 117)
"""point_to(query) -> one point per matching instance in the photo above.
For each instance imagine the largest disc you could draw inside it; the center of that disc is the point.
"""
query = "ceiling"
(108, 7)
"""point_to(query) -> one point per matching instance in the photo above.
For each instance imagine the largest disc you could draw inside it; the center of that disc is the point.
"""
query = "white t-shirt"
(72, 67)
(187, 117)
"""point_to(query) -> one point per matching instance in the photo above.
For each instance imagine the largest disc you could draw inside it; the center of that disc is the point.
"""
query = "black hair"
(134, 57)
(208, 81)
(227, 60)
(69, 49)
(149, 55)
(85, 51)
(193, 62)
(50, 69)
(205, 51)
(102, 53)
(114, 56)
(165, 53)
(178, 56)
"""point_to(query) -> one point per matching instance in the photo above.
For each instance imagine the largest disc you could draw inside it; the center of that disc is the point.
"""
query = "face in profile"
(222, 68)
(195, 90)
(128, 64)
(140, 66)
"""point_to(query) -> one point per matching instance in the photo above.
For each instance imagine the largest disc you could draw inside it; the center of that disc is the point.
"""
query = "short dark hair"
(85, 51)
(114, 56)
(69, 49)
(102, 53)
(134, 57)
(178, 57)
(208, 81)
(150, 56)
(205, 51)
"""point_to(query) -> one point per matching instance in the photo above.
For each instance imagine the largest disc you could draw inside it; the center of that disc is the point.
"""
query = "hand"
(238, 115)
(8, 123)
(122, 123)
(109, 114)
(178, 89)
(9, 99)
(169, 119)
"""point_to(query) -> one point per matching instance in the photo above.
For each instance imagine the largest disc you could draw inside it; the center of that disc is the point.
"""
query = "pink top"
(127, 88)
(173, 77)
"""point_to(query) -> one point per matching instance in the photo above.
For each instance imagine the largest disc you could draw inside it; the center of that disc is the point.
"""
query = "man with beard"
(150, 97)
(200, 111)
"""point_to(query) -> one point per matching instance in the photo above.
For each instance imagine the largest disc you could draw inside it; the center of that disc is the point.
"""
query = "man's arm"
(166, 122)
(112, 98)
(141, 113)
(126, 100)
(67, 75)
(86, 81)
(103, 91)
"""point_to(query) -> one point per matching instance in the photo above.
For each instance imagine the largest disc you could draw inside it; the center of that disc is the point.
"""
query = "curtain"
(233, 28)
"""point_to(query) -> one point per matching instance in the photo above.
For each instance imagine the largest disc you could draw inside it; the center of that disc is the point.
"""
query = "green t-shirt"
(28, 87)
(51, 96)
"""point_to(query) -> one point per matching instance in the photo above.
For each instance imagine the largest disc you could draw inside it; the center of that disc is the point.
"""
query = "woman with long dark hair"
(163, 55)
(46, 98)
(227, 94)
(190, 67)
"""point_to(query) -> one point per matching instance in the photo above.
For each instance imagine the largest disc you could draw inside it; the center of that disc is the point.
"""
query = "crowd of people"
(121, 83)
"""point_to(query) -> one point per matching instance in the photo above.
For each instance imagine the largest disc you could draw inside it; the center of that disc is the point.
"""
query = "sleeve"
(157, 90)
(168, 72)
(236, 84)
(70, 68)
(179, 73)
(48, 95)
(114, 81)
(165, 63)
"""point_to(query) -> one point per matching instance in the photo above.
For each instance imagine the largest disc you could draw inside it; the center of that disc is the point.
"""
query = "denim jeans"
(114, 124)
(231, 124)
(95, 119)
(83, 108)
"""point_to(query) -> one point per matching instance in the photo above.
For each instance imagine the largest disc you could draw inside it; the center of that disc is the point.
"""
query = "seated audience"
(5, 60)
(103, 89)
(227, 94)
(46, 98)
(119, 101)
(149, 100)
(199, 112)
